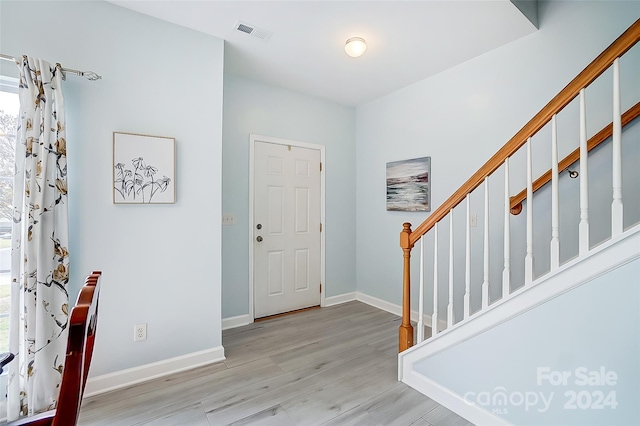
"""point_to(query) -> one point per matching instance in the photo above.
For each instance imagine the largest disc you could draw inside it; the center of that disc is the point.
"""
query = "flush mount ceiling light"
(355, 47)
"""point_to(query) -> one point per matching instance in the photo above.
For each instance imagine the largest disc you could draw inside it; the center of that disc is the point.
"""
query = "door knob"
(259, 239)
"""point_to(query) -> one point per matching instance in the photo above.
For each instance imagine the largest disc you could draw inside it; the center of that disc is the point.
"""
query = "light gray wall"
(460, 118)
(529, 8)
(161, 263)
(255, 107)
(547, 337)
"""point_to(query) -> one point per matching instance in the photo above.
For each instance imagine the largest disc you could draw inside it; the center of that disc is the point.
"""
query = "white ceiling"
(407, 40)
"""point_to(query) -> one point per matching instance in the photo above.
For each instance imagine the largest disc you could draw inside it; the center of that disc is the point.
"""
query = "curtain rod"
(89, 75)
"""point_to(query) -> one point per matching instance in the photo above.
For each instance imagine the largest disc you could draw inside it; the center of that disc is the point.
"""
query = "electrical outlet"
(139, 332)
(228, 219)
(473, 220)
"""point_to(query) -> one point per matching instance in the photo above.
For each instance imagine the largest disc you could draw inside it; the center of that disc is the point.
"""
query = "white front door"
(287, 228)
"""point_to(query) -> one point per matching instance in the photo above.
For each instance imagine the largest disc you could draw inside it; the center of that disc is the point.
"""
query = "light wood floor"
(329, 366)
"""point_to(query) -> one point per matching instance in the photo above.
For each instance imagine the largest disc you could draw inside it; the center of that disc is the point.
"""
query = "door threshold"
(286, 313)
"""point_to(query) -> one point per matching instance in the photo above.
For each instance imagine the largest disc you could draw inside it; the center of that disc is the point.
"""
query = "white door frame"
(252, 235)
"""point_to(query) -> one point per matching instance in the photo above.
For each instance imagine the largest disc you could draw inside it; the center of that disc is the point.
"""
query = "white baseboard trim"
(341, 298)
(240, 320)
(379, 303)
(237, 321)
(454, 402)
(131, 376)
(396, 309)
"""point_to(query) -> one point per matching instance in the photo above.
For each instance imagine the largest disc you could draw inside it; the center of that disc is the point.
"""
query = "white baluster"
(583, 228)
(485, 281)
(616, 206)
(450, 305)
(420, 331)
(555, 212)
(434, 317)
(506, 272)
(528, 259)
(467, 268)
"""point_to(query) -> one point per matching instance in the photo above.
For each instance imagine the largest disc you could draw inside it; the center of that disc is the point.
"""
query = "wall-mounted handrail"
(408, 238)
(631, 114)
(599, 65)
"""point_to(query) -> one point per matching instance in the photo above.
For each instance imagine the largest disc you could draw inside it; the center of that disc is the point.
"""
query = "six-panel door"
(287, 228)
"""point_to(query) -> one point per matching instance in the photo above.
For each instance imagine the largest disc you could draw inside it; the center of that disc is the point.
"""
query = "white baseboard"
(131, 376)
(240, 320)
(396, 309)
(237, 321)
(379, 303)
(341, 298)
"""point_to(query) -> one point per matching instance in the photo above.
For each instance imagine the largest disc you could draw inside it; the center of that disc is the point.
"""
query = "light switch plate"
(228, 219)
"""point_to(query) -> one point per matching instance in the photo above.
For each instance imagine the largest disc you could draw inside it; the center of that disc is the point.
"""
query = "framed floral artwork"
(144, 169)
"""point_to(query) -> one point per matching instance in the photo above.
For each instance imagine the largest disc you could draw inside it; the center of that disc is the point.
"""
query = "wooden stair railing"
(408, 237)
(631, 114)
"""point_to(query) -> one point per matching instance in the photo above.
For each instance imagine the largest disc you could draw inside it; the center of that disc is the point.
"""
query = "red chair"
(82, 332)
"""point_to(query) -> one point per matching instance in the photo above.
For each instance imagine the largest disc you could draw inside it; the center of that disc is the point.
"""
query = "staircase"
(502, 331)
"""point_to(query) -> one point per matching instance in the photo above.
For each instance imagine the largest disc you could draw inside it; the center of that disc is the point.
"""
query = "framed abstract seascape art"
(409, 185)
(144, 169)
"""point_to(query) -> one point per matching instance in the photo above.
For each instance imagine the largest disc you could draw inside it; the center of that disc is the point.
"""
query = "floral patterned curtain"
(39, 256)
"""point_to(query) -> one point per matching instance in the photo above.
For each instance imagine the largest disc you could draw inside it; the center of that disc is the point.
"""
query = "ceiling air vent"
(260, 33)
(245, 28)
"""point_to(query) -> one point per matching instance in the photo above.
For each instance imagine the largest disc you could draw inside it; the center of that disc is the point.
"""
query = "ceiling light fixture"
(355, 46)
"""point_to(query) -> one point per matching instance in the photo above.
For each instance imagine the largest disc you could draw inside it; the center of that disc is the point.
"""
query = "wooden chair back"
(83, 321)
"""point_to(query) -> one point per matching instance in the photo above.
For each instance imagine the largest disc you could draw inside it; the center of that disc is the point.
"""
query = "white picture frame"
(144, 169)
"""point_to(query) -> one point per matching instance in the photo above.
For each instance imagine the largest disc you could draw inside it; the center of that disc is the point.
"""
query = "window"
(9, 106)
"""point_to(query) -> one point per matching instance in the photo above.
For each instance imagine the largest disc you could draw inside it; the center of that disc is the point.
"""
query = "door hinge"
(320, 227)
(320, 166)
(320, 287)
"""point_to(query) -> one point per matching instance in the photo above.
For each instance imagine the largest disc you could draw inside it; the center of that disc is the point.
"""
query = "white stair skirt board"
(237, 321)
(598, 261)
(448, 398)
(131, 376)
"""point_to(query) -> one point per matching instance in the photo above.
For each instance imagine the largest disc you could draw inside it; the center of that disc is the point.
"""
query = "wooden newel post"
(406, 329)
